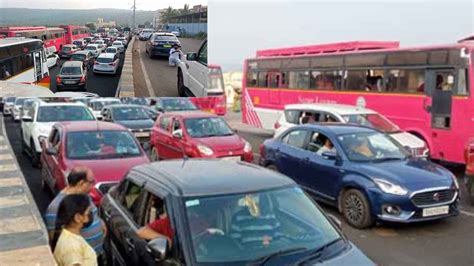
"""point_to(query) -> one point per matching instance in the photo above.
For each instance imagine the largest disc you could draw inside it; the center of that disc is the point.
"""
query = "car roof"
(190, 114)
(337, 128)
(117, 42)
(69, 45)
(164, 33)
(124, 105)
(42, 103)
(93, 44)
(82, 52)
(77, 126)
(72, 64)
(187, 178)
(106, 99)
(341, 109)
(106, 55)
(111, 47)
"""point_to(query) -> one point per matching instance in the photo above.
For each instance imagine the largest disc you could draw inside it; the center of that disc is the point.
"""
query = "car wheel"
(44, 176)
(35, 157)
(470, 189)
(272, 167)
(181, 87)
(155, 156)
(356, 209)
(150, 55)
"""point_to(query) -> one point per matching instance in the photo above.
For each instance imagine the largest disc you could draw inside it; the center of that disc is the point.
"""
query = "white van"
(193, 74)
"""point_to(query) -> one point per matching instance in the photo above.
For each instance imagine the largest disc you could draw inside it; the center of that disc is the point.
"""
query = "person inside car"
(360, 146)
(328, 146)
(160, 227)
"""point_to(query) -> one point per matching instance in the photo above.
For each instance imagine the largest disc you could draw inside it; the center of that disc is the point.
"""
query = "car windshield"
(66, 49)
(10, 99)
(78, 57)
(20, 101)
(130, 113)
(164, 38)
(178, 104)
(105, 60)
(370, 146)
(71, 71)
(91, 48)
(111, 50)
(100, 104)
(207, 127)
(90, 145)
(250, 226)
(372, 120)
(63, 113)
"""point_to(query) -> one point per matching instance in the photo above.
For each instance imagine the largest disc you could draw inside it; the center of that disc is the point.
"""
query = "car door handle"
(130, 244)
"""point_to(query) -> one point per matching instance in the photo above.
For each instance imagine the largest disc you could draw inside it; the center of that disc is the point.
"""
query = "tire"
(23, 144)
(356, 209)
(154, 155)
(150, 55)
(44, 184)
(35, 158)
(180, 84)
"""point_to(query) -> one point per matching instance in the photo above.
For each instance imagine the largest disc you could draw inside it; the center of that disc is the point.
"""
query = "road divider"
(23, 236)
(125, 86)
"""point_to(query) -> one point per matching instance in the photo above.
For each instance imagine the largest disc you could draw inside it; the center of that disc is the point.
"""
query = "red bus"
(50, 36)
(427, 91)
(75, 32)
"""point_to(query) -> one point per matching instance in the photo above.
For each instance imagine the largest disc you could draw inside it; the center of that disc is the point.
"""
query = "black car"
(236, 214)
(134, 117)
(160, 43)
(84, 56)
(72, 76)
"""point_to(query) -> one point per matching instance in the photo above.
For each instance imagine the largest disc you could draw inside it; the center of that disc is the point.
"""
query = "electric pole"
(134, 7)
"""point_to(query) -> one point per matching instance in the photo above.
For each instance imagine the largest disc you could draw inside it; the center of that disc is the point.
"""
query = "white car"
(96, 105)
(112, 50)
(106, 64)
(119, 45)
(52, 60)
(8, 105)
(94, 49)
(123, 40)
(176, 33)
(145, 34)
(295, 114)
(17, 108)
(193, 73)
(37, 122)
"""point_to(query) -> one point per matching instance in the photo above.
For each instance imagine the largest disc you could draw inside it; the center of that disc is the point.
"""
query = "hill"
(54, 17)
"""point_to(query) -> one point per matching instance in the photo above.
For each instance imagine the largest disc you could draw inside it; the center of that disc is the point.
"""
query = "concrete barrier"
(23, 235)
(125, 86)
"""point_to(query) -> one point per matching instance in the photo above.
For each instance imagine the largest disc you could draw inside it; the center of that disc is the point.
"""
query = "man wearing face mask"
(80, 181)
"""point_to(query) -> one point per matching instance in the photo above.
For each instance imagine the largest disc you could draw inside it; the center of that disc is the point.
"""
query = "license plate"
(166, 45)
(232, 158)
(142, 134)
(208, 110)
(69, 82)
(427, 212)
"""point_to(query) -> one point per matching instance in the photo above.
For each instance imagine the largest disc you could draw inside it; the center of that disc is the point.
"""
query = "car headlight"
(247, 147)
(205, 150)
(455, 180)
(390, 188)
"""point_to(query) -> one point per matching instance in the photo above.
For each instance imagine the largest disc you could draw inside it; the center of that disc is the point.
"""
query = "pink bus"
(427, 91)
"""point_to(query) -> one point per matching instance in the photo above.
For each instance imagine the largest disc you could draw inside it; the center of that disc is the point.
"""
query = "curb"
(23, 236)
(125, 86)
(241, 127)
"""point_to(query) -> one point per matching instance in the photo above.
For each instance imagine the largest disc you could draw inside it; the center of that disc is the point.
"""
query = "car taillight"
(277, 125)
(112, 64)
(83, 78)
(58, 79)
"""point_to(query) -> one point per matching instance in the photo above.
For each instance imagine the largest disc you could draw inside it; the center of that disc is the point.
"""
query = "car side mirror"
(329, 155)
(51, 151)
(26, 118)
(158, 248)
(335, 220)
(178, 134)
(191, 57)
(100, 118)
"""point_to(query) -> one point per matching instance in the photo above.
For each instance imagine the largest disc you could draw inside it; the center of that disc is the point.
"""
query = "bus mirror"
(450, 80)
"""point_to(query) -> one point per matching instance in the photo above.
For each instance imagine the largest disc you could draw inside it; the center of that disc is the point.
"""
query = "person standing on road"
(70, 248)
(175, 55)
(80, 181)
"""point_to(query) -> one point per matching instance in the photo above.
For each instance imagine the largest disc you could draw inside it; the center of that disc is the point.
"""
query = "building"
(100, 23)
(193, 22)
(157, 18)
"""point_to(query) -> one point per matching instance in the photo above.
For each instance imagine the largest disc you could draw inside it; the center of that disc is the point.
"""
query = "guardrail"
(125, 86)
(23, 235)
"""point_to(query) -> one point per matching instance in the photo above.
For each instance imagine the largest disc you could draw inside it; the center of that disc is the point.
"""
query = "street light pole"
(134, 7)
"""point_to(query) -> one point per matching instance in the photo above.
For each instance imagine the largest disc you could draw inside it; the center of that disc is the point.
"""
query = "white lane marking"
(467, 213)
(151, 93)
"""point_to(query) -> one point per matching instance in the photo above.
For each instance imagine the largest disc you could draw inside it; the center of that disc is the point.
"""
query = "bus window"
(262, 80)
(356, 80)
(406, 81)
(316, 80)
(252, 79)
(462, 84)
(299, 79)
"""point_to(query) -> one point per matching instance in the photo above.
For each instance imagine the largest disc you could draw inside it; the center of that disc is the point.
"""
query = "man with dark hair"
(80, 181)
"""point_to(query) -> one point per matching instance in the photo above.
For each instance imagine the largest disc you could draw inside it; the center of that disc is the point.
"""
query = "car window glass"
(164, 122)
(319, 143)
(292, 116)
(202, 56)
(176, 125)
(131, 199)
(296, 138)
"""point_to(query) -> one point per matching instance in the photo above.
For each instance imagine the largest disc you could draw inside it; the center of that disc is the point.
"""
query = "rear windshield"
(111, 50)
(77, 42)
(20, 101)
(91, 48)
(104, 60)
(64, 113)
(66, 49)
(117, 43)
(79, 57)
(164, 38)
(71, 71)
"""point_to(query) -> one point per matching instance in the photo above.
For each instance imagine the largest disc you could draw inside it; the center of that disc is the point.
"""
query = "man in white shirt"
(328, 146)
(175, 55)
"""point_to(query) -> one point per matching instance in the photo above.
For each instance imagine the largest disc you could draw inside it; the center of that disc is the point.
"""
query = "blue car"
(364, 173)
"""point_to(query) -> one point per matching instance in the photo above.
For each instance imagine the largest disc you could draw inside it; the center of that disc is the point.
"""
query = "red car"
(469, 154)
(109, 149)
(196, 134)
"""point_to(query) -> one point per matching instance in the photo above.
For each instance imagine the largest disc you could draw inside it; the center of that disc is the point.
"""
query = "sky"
(92, 4)
(237, 29)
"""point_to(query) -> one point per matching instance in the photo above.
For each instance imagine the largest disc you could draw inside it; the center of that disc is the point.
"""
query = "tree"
(168, 14)
(90, 26)
(185, 9)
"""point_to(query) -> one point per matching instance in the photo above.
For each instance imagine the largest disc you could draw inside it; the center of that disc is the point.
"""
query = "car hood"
(136, 124)
(352, 257)
(413, 174)
(408, 139)
(107, 170)
(222, 143)
(46, 126)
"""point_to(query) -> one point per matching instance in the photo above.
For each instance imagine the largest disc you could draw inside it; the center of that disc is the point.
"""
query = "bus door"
(440, 86)
(38, 63)
(274, 80)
